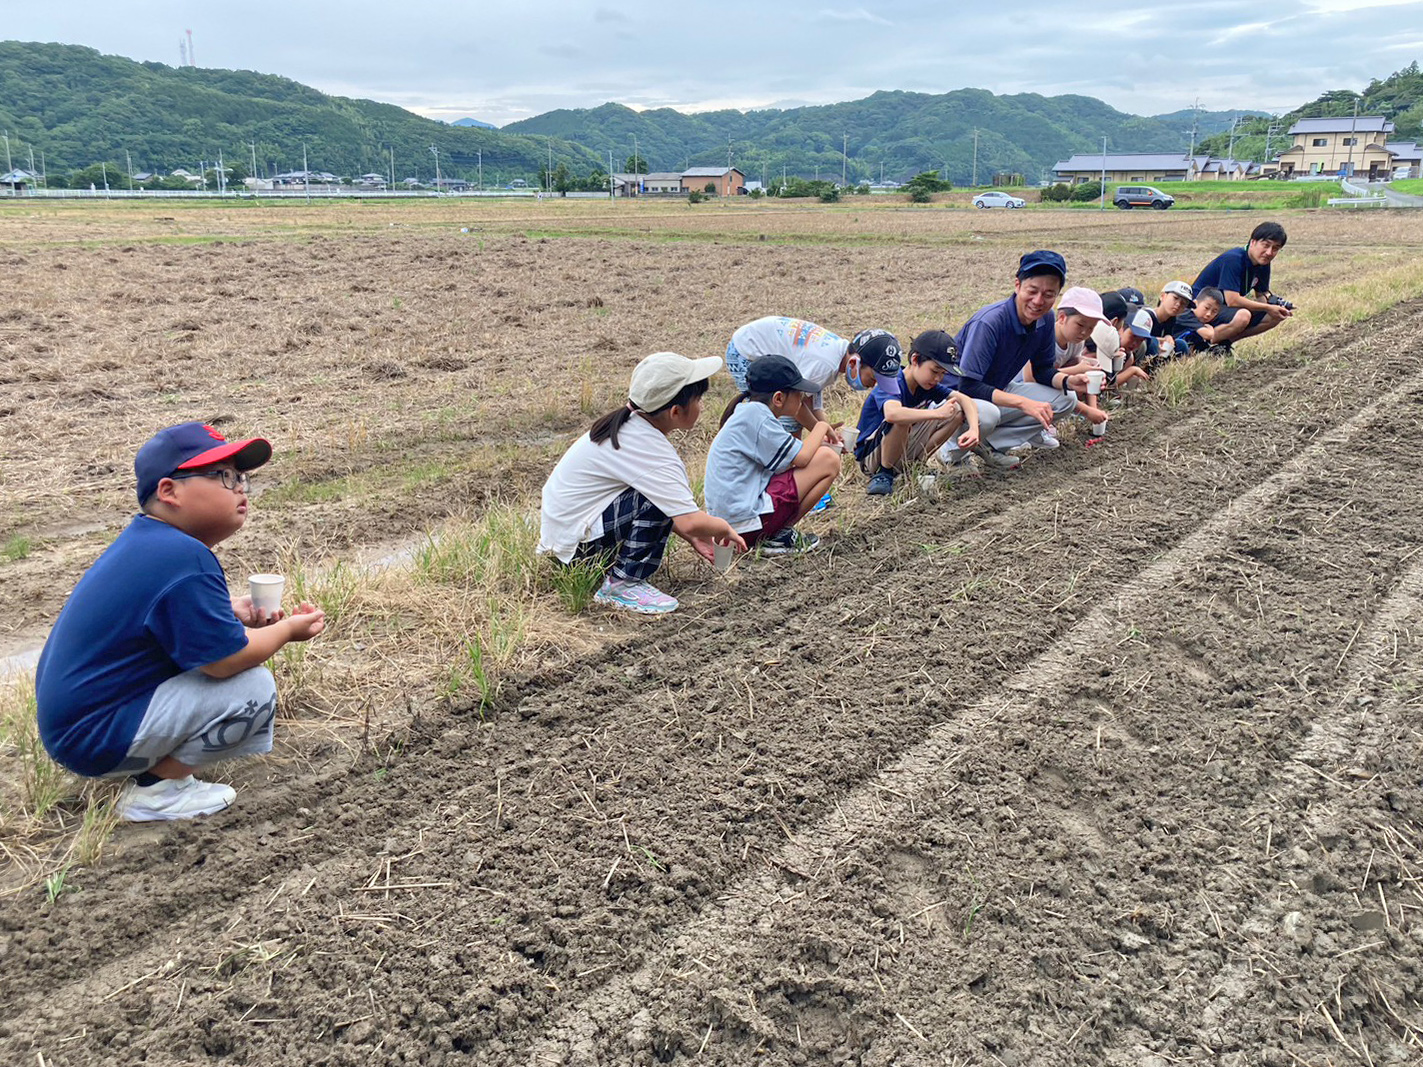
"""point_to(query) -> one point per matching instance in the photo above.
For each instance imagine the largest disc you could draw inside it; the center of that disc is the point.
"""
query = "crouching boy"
(911, 413)
(153, 670)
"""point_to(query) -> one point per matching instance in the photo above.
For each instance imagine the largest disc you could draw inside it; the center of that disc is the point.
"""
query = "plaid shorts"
(635, 535)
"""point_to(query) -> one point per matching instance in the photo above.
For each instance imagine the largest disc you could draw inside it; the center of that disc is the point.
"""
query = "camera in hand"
(1279, 302)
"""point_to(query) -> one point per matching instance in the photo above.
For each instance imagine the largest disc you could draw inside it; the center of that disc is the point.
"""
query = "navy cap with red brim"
(190, 445)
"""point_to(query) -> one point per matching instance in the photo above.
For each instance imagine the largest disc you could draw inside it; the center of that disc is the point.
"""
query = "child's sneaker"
(173, 798)
(821, 504)
(641, 597)
(789, 542)
(970, 466)
(999, 461)
(882, 484)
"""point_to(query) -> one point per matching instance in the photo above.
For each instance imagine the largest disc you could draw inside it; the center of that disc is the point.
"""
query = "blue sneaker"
(882, 484)
(823, 503)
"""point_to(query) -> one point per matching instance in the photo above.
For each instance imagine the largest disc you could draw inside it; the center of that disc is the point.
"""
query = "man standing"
(1241, 271)
(996, 343)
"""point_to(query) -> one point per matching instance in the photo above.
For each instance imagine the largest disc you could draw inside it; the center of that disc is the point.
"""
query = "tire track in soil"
(602, 811)
(888, 805)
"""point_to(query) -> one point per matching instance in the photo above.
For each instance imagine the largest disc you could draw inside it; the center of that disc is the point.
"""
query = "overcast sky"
(504, 62)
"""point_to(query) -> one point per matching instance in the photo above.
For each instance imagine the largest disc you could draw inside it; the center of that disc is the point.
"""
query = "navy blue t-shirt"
(153, 606)
(872, 413)
(994, 346)
(1233, 272)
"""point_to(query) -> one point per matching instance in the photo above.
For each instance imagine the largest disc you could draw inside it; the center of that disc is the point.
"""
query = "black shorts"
(1227, 314)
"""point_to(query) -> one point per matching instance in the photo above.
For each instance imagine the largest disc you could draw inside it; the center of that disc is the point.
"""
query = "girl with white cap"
(621, 491)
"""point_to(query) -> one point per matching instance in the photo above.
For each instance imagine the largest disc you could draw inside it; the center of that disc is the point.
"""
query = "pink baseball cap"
(1084, 301)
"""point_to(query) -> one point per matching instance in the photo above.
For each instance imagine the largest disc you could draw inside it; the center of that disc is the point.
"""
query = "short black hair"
(1269, 231)
(1210, 292)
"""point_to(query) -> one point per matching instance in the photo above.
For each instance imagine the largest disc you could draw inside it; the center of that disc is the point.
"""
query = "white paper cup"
(267, 592)
(928, 484)
(722, 555)
(1099, 429)
(848, 436)
(1095, 380)
(1118, 364)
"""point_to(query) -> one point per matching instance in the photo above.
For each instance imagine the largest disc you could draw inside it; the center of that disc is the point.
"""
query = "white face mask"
(852, 375)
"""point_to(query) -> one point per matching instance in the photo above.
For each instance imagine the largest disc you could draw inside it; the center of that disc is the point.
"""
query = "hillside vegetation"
(79, 108)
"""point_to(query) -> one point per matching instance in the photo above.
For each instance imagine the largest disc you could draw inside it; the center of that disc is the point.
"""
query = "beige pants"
(916, 449)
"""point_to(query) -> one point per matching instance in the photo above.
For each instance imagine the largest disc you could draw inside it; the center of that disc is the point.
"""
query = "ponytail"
(607, 427)
(746, 394)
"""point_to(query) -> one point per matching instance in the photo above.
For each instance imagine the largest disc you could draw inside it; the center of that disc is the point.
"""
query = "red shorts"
(785, 501)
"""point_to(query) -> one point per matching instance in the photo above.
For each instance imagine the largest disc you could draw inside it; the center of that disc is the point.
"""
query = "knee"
(1064, 403)
(825, 463)
(988, 418)
(1241, 319)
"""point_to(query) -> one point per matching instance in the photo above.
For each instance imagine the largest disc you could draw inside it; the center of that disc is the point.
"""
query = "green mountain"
(78, 108)
(1398, 97)
(897, 134)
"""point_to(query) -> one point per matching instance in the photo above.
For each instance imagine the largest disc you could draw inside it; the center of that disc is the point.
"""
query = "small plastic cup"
(1095, 380)
(722, 555)
(848, 436)
(1119, 362)
(928, 484)
(1098, 429)
(267, 592)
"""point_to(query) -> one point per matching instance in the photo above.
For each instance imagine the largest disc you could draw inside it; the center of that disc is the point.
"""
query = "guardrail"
(1359, 201)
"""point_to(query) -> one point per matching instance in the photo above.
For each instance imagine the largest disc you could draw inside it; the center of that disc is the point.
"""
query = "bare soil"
(1115, 761)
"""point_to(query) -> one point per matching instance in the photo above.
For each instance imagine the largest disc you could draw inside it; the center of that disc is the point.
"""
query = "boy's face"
(203, 507)
(1262, 252)
(1171, 305)
(924, 373)
(1207, 310)
(1036, 295)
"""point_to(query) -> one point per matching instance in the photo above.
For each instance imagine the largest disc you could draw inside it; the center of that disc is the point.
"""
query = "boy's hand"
(1096, 416)
(251, 617)
(306, 622)
(968, 439)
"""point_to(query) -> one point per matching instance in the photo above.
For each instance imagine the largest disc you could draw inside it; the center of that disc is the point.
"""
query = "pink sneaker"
(641, 597)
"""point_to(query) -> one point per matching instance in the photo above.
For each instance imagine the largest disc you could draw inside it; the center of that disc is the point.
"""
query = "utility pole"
(1103, 191)
(8, 165)
(844, 156)
(1230, 151)
(253, 146)
(1270, 131)
(221, 175)
(436, 152)
(1195, 117)
(1353, 136)
(610, 174)
(392, 166)
(548, 170)
(305, 173)
(103, 167)
(481, 168)
(129, 160)
(975, 160)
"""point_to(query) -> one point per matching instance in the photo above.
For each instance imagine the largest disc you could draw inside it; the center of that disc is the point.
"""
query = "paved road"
(1395, 199)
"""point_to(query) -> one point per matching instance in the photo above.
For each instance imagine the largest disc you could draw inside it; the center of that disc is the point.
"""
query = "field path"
(1115, 761)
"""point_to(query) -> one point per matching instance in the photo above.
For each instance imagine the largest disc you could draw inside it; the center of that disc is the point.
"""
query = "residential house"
(370, 181)
(662, 182)
(1406, 159)
(627, 184)
(16, 182)
(727, 181)
(1346, 145)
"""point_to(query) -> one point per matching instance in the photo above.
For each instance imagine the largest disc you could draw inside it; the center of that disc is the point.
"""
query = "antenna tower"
(192, 62)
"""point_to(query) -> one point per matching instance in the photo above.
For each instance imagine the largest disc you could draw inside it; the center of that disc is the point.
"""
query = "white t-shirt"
(1108, 340)
(589, 477)
(814, 349)
(1068, 354)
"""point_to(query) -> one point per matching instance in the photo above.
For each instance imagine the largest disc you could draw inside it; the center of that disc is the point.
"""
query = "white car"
(995, 199)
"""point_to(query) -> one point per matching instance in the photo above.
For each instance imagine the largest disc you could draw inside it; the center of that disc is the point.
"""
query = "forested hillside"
(894, 133)
(78, 108)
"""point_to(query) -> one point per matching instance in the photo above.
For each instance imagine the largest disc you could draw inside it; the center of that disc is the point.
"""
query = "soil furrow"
(552, 851)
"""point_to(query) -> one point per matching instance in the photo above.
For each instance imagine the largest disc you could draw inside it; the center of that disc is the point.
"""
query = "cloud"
(561, 51)
(607, 14)
(859, 14)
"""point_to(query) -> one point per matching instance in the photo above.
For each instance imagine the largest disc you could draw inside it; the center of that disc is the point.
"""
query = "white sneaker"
(173, 798)
(1046, 438)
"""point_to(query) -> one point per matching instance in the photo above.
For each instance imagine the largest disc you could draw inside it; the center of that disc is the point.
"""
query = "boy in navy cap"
(906, 418)
(152, 669)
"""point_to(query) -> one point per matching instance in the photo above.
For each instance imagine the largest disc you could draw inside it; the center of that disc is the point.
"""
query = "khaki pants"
(916, 449)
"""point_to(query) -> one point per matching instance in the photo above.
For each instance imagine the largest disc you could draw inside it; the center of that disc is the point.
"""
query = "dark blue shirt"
(1233, 272)
(153, 606)
(872, 413)
(994, 346)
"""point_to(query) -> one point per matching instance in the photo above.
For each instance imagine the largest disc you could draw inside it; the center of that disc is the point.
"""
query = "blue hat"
(1042, 262)
(189, 445)
(776, 374)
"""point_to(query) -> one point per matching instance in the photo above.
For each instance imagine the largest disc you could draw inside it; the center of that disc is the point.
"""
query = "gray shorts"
(200, 720)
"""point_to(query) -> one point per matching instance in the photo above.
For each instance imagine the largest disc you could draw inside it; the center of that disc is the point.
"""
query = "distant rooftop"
(1344, 124)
